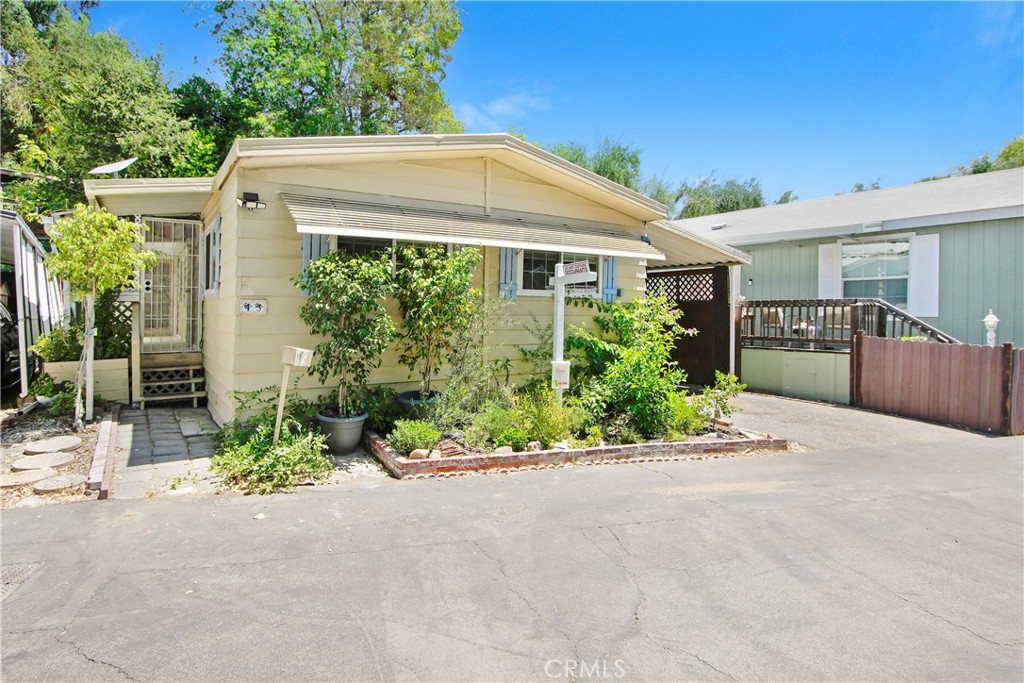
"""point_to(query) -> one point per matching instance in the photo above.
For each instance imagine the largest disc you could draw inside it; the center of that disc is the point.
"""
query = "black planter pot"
(413, 405)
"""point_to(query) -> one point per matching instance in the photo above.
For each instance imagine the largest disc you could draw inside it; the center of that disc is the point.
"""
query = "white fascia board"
(895, 224)
(472, 241)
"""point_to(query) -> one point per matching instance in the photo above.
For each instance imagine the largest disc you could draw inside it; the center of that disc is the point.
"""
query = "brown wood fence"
(965, 385)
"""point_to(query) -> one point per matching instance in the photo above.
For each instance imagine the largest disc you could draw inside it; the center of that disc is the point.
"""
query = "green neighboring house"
(946, 250)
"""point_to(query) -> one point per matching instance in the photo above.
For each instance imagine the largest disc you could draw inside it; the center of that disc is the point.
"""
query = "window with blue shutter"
(507, 273)
(313, 247)
(610, 287)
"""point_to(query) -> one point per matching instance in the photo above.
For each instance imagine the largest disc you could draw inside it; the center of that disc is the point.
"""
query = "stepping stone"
(61, 482)
(27, 477)
(191, 428)
(52, 445)
(38, 462)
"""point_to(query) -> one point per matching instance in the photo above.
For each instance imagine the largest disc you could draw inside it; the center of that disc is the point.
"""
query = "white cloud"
(1000, 23)
(499, 113)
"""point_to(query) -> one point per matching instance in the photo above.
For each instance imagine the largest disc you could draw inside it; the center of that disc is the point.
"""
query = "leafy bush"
(63, 403)
(381, 402)
(43, 385)
(248, 460)
(409, 435)
(61, 344)
(546, 419)
(492, 421)
(628, 376)
(685, 419)
(434, 288)
(715, 402)
(473, 381)
(345, 308)
(620, 432)
(515, 437)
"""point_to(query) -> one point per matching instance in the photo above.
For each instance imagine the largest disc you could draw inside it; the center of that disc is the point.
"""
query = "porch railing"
(828, 323)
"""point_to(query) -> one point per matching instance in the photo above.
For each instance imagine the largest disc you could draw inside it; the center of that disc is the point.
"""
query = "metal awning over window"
(330, 216)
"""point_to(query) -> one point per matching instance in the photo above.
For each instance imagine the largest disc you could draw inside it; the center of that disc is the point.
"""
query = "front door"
(171, 289)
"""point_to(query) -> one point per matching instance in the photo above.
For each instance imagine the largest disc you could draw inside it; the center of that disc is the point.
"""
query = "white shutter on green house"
(610, 288)
(830, 271)
(923, 288)
(508, 275)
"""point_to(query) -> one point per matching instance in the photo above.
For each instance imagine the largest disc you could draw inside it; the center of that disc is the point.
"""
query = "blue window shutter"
(507, 273)
(216, 254)
(611, 280)
(313, 247)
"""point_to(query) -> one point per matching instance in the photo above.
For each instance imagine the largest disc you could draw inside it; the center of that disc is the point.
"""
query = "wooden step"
(164, 382)
(160, 361)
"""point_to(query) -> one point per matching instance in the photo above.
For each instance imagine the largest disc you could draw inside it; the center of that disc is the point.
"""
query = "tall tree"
(346, 67)
(73, 99)
(709, 196)
(1010, 156)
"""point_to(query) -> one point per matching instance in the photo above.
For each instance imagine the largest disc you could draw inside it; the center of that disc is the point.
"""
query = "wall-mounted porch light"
(991, 322)
(250, 201)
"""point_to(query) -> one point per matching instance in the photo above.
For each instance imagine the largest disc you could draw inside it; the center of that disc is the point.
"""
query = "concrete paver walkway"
(161, 448)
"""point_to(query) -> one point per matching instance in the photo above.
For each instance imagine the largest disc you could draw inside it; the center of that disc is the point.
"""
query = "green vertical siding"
(981, 267)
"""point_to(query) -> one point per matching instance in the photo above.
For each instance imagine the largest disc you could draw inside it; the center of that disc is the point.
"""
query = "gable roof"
(986, 196)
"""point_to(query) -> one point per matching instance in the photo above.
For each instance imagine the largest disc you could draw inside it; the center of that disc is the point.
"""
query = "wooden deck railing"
(828, 323)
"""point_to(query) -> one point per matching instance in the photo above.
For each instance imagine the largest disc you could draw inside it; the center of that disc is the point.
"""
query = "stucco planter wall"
(111, 376)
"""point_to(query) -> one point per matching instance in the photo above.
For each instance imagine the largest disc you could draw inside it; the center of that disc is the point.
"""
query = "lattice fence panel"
(698, 286)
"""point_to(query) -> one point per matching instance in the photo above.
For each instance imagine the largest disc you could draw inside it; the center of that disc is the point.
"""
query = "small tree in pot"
(434, 288)
(346, 309)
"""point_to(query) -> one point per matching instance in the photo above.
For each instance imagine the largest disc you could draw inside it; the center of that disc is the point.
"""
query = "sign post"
(565, 274)
(291, 357)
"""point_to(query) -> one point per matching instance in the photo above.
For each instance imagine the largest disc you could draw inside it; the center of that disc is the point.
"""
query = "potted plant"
(434, 288)
(346, 309)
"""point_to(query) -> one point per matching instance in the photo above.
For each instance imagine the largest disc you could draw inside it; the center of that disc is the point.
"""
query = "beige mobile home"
(216, 310)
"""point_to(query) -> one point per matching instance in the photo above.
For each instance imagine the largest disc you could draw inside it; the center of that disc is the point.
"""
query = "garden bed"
(699, 449)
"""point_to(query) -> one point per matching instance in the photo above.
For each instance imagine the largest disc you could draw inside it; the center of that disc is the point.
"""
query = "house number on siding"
(253, 306)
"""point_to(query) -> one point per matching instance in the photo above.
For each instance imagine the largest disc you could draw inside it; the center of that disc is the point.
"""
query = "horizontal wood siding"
(262, 251)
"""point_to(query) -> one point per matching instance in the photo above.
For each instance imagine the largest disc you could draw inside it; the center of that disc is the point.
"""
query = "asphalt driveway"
(890, 560)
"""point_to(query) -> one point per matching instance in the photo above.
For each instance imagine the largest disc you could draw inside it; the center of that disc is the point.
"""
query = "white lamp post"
(991, 322)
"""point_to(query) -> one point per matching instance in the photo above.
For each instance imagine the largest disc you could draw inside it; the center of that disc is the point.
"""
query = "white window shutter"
(830, 271)
(216, 254)
(610, 287)
(923, 288)
(508, 273)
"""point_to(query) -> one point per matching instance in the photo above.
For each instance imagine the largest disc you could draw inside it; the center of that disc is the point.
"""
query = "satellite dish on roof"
(115, 167)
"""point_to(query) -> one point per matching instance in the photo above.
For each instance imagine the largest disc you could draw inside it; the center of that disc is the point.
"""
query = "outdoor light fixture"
(250, 201)
(991, 322)
(750, 282)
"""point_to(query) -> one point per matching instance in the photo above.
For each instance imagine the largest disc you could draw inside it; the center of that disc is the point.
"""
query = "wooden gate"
(703, 297)
(965, 385)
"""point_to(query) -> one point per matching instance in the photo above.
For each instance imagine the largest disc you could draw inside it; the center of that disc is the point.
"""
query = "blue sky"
(810, 97)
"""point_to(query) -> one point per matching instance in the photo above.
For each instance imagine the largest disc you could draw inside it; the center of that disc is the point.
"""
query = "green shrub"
(43, 385)
(492, 421)
(628, 375)
(63, 403)
(247, 458)
(620, 432)
(409, 435)
(686, 418)
(515, 437)
(594, 437)
(61, 344)
(381, 402)
(716, 401)
(547, 420)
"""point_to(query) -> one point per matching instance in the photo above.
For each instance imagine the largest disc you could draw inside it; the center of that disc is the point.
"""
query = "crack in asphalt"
(78, 650)
(951, 623)
(511, 586)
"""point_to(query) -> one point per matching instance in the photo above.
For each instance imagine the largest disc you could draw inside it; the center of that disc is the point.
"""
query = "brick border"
(101, 472)
(405, 468)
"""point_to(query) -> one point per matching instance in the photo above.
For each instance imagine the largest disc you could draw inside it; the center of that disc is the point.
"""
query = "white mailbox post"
(291, 357)
(565, 274)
